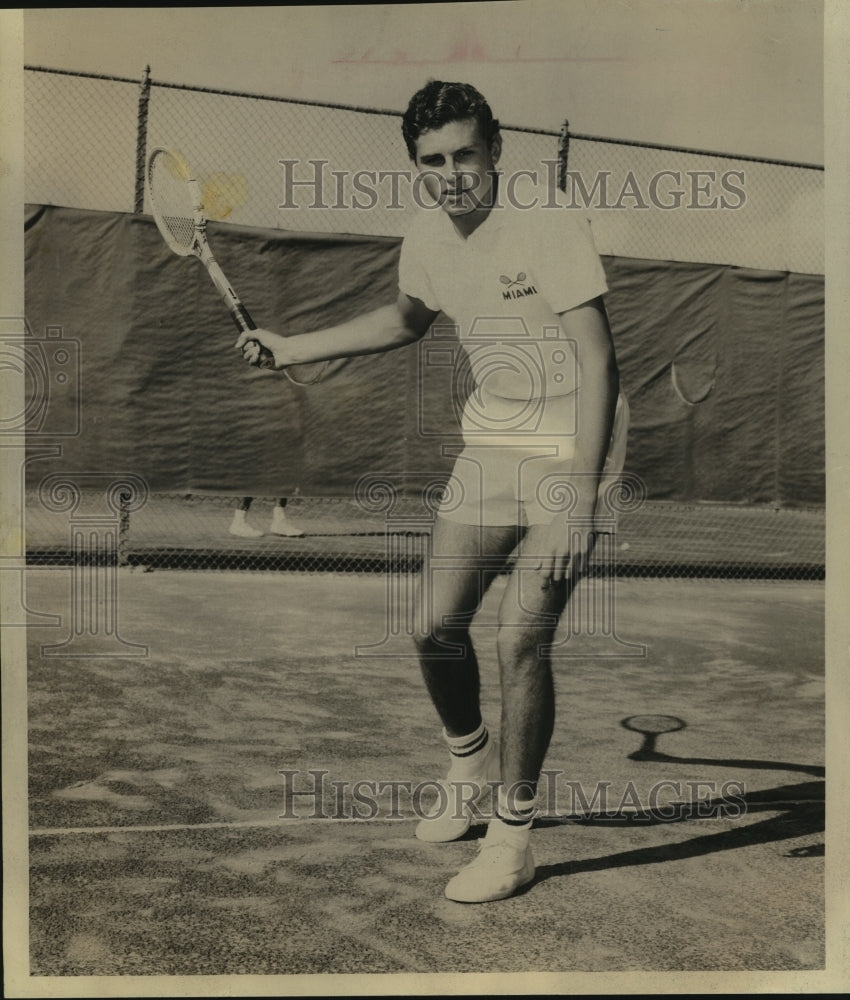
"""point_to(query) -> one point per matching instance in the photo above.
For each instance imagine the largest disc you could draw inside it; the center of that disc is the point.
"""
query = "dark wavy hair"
(439, 103)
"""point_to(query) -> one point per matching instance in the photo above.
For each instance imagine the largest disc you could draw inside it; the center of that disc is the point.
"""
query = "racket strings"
(177, 206)
(181, 228)
(171, 200)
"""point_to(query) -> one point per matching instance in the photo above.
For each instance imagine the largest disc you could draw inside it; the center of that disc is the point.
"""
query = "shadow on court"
(802, 815)
(194, 811)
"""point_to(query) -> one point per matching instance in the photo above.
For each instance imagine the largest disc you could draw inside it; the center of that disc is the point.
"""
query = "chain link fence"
(281, 164)
(292, 165)
(80, 141)
(658, 203)
(655, 539)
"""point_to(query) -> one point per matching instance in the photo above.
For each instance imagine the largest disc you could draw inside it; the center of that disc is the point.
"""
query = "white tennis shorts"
(516, 460)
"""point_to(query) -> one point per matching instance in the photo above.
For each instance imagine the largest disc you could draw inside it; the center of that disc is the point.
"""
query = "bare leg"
(451, 588)
(528, 617)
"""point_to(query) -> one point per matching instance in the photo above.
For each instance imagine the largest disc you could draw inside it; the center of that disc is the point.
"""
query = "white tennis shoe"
(463, 788)
(280, 525)
(240, 527)
(504, 864)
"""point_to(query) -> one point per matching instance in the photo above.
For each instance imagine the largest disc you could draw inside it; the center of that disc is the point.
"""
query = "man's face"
(458, 166)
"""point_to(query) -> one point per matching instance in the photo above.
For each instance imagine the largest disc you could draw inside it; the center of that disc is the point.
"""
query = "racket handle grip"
(266, 359)
(242, 319)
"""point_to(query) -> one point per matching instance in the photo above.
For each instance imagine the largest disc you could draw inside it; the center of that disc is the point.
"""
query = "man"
(524, 284)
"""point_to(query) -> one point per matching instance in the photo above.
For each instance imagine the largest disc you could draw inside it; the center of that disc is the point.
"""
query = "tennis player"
(524, 284)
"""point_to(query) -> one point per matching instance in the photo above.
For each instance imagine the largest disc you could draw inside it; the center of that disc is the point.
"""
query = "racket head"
(175, 199)
(307, 374)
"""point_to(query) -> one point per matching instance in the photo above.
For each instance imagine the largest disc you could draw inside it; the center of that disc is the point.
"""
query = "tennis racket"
(178, 210)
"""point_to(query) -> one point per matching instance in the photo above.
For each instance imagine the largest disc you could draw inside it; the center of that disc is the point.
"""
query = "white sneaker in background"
(241, 529)
(280, 525)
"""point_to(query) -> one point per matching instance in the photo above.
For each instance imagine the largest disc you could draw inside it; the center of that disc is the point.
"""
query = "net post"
(142, 140)
(563, 155)
(123, 528)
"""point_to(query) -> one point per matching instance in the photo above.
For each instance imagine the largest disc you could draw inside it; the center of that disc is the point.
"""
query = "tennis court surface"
(163, 839)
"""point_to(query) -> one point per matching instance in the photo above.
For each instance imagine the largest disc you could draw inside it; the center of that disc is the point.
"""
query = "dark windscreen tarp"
(723, 367)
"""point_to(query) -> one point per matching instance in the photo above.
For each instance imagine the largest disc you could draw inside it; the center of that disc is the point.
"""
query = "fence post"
(142, 141)
(563, 155)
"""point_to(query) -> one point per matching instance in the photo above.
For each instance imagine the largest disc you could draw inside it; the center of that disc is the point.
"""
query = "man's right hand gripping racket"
(178, 210)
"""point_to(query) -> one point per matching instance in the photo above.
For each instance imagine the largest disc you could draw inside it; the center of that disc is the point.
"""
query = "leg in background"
(280, 525)
(239, 525)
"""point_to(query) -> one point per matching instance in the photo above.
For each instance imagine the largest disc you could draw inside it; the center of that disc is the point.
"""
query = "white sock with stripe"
(515, 812)
(468, 751)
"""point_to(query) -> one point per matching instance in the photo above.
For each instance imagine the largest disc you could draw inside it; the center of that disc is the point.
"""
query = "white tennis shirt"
(504, 286)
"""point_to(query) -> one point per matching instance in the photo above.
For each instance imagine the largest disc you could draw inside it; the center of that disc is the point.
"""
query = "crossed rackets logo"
(505, 280)
(511, 291)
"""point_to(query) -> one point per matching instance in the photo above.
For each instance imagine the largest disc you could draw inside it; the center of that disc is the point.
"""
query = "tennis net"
(657, 539)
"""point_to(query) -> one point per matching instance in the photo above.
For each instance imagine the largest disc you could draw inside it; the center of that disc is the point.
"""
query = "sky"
(737, 76)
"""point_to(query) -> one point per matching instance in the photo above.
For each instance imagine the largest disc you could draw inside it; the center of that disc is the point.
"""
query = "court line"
(780, 805)
(247, 824)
